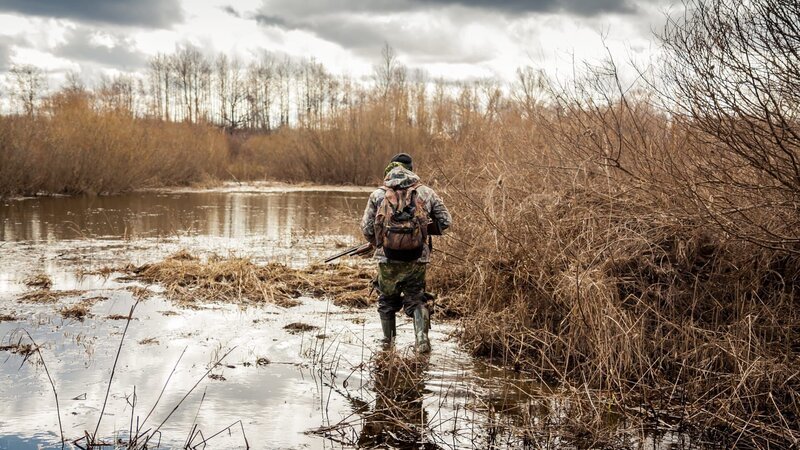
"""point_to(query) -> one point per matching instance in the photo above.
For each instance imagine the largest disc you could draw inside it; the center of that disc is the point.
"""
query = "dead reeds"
(40, 280)
(74, 147)
(190, 280)
(607, 277)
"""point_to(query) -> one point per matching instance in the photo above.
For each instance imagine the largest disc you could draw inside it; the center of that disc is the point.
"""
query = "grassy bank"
(74, 147)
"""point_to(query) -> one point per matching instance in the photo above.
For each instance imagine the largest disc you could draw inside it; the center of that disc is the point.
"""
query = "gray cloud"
(80, 48)
(148, 13)
(363, 25)
(232, 11)
(584, 8)
(268, 20)
(366, 38)
(308, 8)
(5, 53)
(578, 7)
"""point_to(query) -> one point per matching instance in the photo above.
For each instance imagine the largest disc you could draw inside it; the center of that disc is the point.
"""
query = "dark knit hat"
(404, 159)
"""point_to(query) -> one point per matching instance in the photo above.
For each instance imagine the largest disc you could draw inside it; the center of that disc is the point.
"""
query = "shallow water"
(323, 388)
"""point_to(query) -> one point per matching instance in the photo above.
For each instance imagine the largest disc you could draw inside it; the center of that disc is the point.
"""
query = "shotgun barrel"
(356, 250)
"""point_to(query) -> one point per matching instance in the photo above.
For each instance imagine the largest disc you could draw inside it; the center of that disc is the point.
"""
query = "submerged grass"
(81, 309)
(18, 348)
(46, 296)
(299, 327)
(190, 280)
(41, 281)
(77, 311)
(7, 318)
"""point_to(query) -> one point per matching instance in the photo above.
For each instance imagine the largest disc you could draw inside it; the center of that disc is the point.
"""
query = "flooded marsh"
(95, 295)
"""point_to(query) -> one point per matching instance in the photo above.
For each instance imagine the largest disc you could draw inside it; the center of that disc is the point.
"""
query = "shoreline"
(228, 186)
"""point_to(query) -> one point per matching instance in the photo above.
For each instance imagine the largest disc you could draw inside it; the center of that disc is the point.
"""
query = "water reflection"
(61, 236)
(398, 417)
(275, 215)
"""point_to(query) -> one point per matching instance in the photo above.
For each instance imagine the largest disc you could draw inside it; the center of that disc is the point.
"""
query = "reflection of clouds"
(259, 395)
(274, 215)
(212, 225)
(35, 223)
(278, 402)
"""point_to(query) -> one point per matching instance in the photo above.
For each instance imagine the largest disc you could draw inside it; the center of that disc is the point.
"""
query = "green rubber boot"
(422, 323)
(389, 330)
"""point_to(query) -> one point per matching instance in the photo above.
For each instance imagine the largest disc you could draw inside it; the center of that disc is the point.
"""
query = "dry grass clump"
(40, 280)
(188, 280)
(299, 327)
(104, 272)
(119, 317)
(46, 296)
(81, 309)
(139, 292)
(77, 311)
(7, 318)
(352, 149)
(24, 350)
(76, 147)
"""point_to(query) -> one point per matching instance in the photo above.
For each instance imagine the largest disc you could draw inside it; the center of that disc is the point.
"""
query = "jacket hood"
(400, 177)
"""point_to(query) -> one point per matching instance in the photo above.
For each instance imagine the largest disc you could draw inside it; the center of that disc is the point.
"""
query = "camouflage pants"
(401, 285)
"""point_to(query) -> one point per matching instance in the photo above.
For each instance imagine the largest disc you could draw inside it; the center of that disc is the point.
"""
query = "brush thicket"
(582, 257)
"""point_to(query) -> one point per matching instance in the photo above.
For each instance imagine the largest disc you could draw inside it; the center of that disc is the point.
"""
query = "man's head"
(404, 159)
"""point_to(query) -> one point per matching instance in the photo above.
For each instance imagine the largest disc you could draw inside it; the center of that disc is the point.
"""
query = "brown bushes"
(579, 255)
(73, 147)
(353, 149)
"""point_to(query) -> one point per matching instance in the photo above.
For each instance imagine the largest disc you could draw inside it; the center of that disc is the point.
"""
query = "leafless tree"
(192, 71)
(260, 91)
(528, 90)
(284, 78)
(160, 82)
(386, 72)
(733, 70)
(29, 83)
(117, 93)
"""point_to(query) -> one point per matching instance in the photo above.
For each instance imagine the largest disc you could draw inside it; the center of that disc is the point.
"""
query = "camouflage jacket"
(400, 177)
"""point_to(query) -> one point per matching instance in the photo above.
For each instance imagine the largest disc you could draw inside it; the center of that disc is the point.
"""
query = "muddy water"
(324, 387)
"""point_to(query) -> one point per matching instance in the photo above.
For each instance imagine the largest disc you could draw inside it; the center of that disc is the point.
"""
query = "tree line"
(268, 92)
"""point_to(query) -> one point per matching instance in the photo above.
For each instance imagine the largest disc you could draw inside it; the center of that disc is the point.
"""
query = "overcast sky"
(454, 39)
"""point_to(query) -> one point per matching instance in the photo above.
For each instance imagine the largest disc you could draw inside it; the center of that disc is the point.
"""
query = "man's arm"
(439, 212)
(368, 220)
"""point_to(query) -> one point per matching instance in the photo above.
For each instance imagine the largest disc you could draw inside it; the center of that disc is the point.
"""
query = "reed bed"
(75, 147)
(620, 285)
(189, 280)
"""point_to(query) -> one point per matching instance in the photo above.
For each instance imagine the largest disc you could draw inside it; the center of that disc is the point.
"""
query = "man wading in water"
(396, 222)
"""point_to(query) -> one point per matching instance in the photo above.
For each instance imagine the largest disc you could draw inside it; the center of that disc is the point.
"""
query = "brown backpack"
(401, 224)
